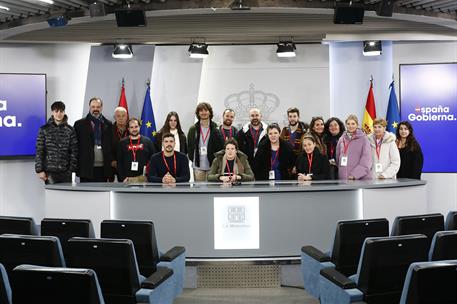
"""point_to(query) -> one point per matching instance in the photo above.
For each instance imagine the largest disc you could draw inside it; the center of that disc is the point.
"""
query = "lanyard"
(346, 146)
(228, 167)
(204, 138)
(255, 135)
(332, 150)
(134, 147)
(272, 162)
(120, 134)
(310, 161)
(166, 163)
(223, 133)
(378, 147)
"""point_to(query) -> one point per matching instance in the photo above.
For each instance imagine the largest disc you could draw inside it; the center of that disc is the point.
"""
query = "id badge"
(203, 151)
(134, 166)
(378, 168)
(99, 147)
(271, 174)
(344, 161)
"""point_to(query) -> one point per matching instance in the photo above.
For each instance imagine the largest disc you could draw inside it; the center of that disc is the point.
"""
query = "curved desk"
(252, 220)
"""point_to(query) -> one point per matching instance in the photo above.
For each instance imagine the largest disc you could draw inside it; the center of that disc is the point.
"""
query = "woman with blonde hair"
(353, 152)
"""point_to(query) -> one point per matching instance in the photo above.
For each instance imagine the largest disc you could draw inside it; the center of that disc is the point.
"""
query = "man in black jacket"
(94, 133)
(133, 154)
(56, 148)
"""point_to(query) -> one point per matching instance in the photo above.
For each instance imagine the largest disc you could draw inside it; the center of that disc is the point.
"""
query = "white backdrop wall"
(441, 188)
(21, 192)
(247, 76)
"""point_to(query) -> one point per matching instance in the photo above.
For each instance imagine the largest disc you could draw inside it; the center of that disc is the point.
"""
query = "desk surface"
(247, 187)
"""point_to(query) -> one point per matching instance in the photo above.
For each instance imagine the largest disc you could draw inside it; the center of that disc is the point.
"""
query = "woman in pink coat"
(353, 152)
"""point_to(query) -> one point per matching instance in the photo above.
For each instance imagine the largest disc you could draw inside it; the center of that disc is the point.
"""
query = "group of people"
(100, 151)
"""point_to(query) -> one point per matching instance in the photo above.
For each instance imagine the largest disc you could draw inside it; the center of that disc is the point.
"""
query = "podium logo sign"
(236, 222)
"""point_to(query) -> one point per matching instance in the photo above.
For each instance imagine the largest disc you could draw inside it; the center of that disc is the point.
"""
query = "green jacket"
(242, 167)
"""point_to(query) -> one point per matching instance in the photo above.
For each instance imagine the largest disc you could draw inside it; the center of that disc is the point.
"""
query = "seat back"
(37, 284)
(383, 265)
(114, 262)
(142, 234)
(17, 225)
(451, 220)
(349, 238)
(64, 229)
(5, 289)
(431, 282)
(27, 249)
(444, 246)
(427, 224)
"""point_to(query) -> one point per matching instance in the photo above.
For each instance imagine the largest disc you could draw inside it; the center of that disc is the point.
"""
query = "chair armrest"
(337, 278)
(172, 254)
(315, 254)
(159, 276)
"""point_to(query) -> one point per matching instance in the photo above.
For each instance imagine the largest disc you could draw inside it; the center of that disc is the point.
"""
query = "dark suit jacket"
(85, 136)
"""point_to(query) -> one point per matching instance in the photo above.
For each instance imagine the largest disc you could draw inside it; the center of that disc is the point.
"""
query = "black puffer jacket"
(56, 148)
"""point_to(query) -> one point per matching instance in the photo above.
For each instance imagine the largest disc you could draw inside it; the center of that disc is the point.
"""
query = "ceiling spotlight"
(198, 50)
(372, 48)
(286, 49)
(122, 51)
(238, 5)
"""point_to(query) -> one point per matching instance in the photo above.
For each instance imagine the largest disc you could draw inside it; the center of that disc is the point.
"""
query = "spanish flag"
(370, 111)
(123, 99)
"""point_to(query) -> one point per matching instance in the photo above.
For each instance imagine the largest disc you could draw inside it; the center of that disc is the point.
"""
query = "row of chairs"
(346, 255)
(134, 240)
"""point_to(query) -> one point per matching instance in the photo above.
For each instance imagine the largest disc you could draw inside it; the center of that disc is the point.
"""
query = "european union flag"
(148, 123)
(393, 114)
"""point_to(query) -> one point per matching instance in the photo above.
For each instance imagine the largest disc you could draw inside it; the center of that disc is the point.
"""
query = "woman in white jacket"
(386, 157)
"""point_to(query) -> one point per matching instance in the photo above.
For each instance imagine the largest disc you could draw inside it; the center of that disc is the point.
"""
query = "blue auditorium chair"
(142, 234)
(431, 283)
(30, 249)
(64, 229)
(345, 252)
(115, 263)
(444, 246)
(427, 224)
(382, 269)
(451, 220)
(17, 225)
(5, 289)
(55, 285)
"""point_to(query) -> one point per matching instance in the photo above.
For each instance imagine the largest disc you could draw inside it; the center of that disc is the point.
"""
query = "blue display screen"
(428, 100)
(22, 112)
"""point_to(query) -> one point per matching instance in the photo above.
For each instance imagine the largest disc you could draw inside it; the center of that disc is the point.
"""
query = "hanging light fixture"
(122, 51)
(286, 49)
(372, 48)
(198, 50)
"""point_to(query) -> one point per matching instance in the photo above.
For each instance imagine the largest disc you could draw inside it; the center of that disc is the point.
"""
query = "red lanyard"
(228, 167)
(332, 150)
(272, 162)
(204, 138)
(346, 146)
(378, 147)
(254, 136)
(223, 133)
(166, 163)
(310, 161)
(134, 147)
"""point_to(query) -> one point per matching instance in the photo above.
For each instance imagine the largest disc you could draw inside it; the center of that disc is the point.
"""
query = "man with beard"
(203, 140)
(252, 134)
(227, 130)
(120, 131)
(293, 133)
(56, 148)
(169, 166)
(95, 135)
(133, 154)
